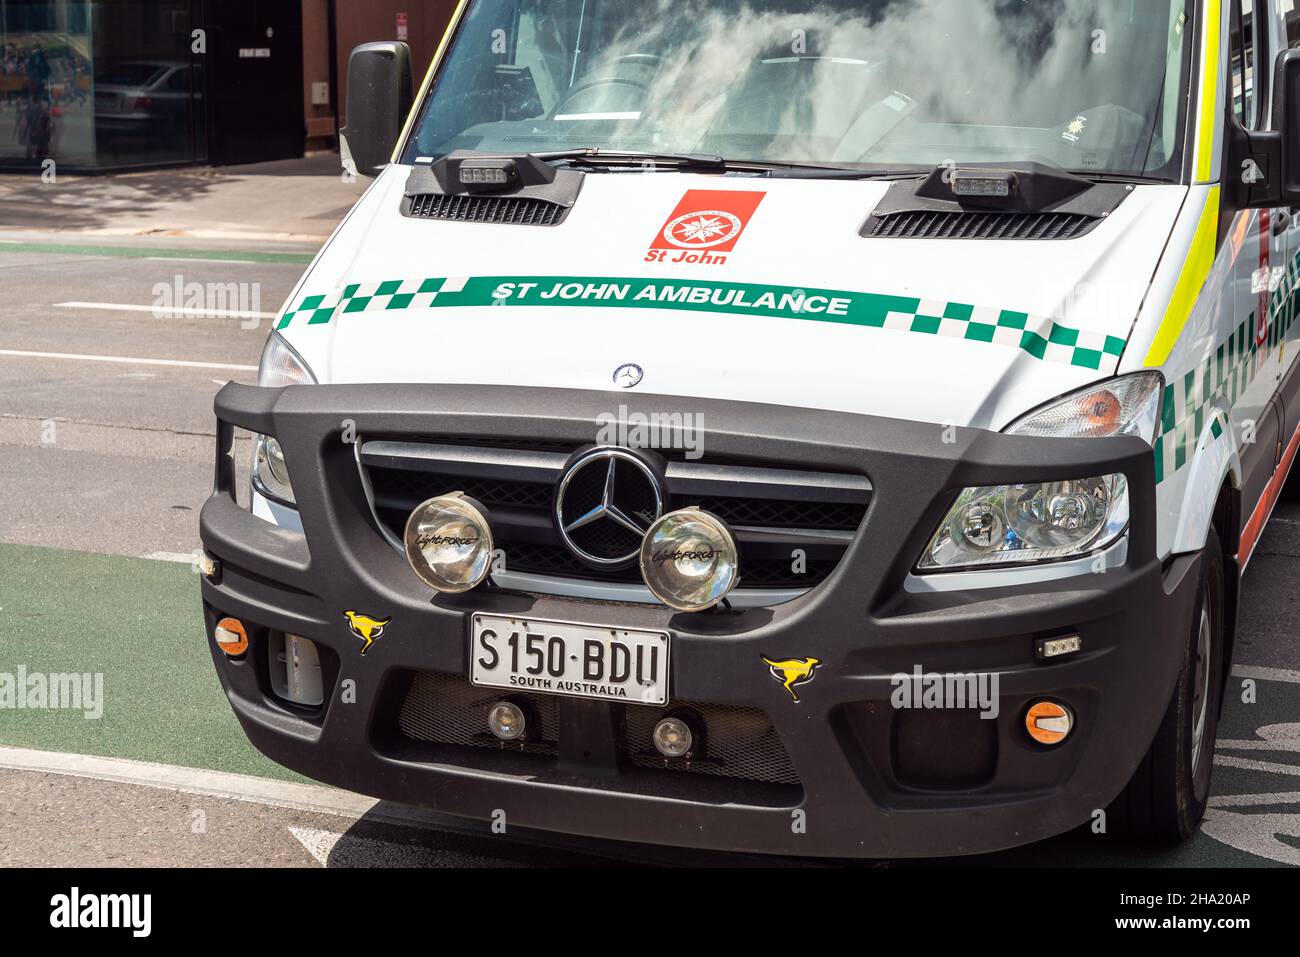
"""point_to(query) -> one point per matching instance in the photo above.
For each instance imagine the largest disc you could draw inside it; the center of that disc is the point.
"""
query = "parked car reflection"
(146, 97)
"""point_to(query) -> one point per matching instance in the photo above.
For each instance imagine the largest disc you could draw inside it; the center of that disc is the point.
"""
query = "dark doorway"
(254, 82)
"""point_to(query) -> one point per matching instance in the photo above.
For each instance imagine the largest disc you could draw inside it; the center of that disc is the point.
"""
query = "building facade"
(114, 84)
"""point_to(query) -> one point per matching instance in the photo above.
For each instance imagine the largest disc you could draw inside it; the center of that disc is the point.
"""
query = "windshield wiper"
(805, 171)
(706, 162)
(606, 158)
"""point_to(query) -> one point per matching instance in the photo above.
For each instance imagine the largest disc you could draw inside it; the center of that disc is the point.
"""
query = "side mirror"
(1263, 166)
(380, 93)
(1286, 121)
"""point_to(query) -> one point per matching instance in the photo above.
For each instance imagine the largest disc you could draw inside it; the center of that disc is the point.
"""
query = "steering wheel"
(633, 59)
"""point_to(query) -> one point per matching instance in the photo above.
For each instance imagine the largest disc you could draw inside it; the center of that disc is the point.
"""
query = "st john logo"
(366, 628)
(704, 227)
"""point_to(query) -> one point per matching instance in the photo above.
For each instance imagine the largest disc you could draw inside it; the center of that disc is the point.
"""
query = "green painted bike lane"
(155, 251)
(136, 622)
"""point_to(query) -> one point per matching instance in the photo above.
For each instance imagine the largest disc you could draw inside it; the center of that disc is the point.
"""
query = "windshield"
(1092, 86)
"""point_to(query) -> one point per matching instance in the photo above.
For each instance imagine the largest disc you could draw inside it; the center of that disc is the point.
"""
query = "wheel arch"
(1227, 525)
(1212, 500)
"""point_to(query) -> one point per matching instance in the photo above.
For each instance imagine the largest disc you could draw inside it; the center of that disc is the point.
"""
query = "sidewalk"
(290, 200)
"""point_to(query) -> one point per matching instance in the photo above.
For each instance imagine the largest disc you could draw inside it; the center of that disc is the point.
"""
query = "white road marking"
(1256, 834)
(127, 360)
(1273, 737)
(318, 843)
(348, 806)
(1266, 674)
(223, 785)
(332, 849)
(1255, 800)
(180, 558)
(181, 313)
(1246, 764)
(193, 259)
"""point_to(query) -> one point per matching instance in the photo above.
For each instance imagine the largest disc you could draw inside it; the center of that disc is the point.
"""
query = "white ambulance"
(814, 428)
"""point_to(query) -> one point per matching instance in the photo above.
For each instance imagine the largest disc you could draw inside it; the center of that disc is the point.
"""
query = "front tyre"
(1166, 798)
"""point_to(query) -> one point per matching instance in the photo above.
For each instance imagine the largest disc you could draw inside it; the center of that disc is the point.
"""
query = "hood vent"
(937, 224)
(504, 210)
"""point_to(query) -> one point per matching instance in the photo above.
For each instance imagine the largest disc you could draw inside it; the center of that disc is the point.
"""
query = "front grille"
(738, 743)
(502, 210)
(969, 225)
(778, 514)
(792, 533)
(402, 490)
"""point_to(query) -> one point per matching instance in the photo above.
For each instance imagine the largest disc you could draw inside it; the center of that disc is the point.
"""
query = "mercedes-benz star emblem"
(606, 502)
(628, 375)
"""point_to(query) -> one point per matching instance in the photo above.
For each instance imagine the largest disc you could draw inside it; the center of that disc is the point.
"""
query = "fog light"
(506, 721)
(673, 738)
(449, 543)
(1048, 722)
(231, 637)
(689, 560)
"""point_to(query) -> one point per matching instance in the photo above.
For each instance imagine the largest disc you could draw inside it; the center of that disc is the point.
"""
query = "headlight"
(1126, 406)
(269, 472)
(1052, 521)
(1036, 522)
(689, 560)
(280, 366)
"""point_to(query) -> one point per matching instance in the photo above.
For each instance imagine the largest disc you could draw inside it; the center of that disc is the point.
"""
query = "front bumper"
(872, 781)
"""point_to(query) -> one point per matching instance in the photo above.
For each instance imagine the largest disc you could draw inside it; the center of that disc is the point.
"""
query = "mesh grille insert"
(508, 210)
(739, 743)
(967, 225)
(447, 709)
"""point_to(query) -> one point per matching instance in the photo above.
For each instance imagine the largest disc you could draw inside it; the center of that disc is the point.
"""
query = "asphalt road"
(105, 458)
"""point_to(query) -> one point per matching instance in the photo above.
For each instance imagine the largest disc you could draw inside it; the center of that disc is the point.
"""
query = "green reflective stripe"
(389, 295)
(1040, 337)
(1222, 380)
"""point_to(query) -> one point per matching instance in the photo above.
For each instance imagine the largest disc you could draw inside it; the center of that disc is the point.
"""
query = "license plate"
(580, 661)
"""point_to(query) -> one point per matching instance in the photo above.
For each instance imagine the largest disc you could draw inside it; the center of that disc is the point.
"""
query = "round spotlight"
(506, 721)
(449, 543)
(1048, 722)
(673, 738)
(689, 560)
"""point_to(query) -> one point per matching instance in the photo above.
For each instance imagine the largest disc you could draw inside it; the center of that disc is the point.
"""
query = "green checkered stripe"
(1220, 380)
(1040, 337)
(391, 295)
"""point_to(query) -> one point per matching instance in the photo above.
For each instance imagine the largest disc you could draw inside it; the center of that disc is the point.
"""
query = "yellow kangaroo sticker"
(793, 672)
(366, 628)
